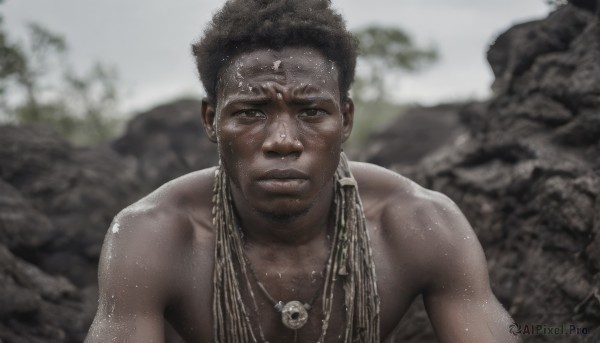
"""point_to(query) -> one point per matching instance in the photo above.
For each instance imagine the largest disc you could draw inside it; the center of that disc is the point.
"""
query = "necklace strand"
(350, 260)
(279, 306)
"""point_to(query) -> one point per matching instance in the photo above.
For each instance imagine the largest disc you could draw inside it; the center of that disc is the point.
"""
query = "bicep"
(458, 299)
(133, 289)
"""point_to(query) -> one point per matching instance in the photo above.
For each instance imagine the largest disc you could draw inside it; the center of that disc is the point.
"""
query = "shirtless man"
(277, 78)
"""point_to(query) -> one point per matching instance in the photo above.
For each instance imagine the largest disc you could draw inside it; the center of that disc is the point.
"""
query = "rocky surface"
(419, 132)
(166, 142)
(527, 174)
(56, 202)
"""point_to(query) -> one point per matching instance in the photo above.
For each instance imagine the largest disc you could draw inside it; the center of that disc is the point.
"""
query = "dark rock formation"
(417, 133)
(527, 175)
(166, 142)
(56, 202)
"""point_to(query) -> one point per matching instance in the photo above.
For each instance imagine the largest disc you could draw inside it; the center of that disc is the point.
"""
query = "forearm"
(474, 320)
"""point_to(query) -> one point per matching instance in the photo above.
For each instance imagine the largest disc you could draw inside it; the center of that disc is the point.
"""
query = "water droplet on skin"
(276, 65)
(282, 135)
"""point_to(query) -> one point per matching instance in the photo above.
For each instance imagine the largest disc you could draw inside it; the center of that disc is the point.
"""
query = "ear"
(209, 118)
(347, 118)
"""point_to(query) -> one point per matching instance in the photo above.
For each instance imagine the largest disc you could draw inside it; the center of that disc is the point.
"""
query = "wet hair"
(246, 25)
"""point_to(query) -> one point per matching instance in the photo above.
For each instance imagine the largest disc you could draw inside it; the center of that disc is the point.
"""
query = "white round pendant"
(294, 315)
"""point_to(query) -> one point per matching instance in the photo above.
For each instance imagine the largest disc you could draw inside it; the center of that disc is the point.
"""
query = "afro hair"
(245, 25)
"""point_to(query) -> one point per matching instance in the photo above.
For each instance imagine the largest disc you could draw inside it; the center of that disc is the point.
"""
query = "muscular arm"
(134, 276)
(458, 298)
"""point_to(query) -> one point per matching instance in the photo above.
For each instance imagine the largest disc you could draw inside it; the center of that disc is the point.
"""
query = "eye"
(312, 113)
(250, 114)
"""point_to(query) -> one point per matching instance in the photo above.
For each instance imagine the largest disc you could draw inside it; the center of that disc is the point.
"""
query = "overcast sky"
(149, 41)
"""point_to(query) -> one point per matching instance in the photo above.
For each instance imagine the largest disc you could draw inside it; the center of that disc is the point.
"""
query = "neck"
(264, 229)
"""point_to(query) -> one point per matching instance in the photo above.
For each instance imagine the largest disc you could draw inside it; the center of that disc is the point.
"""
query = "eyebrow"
(305, 100)
(263, 100)
(249, 100)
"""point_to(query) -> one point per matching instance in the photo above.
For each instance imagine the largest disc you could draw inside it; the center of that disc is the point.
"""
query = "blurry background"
(494, 103)
(138, 54)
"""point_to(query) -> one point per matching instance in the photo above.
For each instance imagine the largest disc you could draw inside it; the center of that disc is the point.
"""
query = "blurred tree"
(36, 87)
(95, 98)
(385, 53)
(44, 51)
(556, 3)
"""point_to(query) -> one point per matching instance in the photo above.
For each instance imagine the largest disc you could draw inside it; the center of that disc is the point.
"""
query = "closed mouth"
(283, 175)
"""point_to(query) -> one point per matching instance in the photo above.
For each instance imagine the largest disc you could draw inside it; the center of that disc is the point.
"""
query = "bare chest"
(286, 280)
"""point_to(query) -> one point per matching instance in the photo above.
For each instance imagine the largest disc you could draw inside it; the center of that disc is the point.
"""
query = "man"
(285, 241)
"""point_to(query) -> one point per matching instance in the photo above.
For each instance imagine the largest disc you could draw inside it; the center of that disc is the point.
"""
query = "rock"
(56, 203)
(419, 132)
(35, 306)
(166, 142)
(527, 173)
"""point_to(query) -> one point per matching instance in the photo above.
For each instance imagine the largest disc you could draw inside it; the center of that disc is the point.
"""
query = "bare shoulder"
(383, 190)
(170, 213)
(422, 224)
(188, 196)
(146, 251)
(147, 241)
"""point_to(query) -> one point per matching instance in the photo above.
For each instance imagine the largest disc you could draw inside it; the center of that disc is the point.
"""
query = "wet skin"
(279, 121)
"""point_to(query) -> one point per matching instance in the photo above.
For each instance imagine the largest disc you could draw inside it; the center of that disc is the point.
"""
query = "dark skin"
(279, 121)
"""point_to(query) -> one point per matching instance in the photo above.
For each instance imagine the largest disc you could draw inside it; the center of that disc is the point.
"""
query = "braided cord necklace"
(350, 260)
(294, 314)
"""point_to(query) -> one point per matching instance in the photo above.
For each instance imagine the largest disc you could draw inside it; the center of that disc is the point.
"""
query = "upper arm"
(457, 296)
(134, 275)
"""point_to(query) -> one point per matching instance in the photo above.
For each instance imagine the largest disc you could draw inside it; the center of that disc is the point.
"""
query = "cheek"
(325, 135)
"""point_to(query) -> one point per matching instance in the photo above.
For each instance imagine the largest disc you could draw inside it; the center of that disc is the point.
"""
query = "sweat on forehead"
(283, 64)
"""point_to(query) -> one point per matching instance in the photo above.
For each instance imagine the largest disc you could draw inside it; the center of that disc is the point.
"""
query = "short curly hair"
(245, 25)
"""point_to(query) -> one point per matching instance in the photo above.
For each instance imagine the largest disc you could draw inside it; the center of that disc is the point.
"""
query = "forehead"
(288, 67)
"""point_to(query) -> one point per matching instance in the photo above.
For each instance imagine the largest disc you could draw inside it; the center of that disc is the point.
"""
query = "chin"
(283, 213)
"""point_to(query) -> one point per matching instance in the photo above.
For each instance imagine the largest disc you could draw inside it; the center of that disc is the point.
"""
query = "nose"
(282, 138)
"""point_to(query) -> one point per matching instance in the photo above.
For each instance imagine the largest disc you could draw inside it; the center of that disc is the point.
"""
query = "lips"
(283, 174)
(283, 181)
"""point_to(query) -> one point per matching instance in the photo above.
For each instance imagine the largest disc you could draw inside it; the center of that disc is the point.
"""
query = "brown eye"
(250, 114)
(312, 113)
